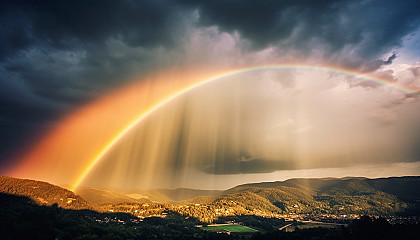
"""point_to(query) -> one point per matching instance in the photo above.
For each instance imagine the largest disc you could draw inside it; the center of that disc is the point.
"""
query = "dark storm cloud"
(40, 40)
(235, 166)
(266, 22)
(230, 166)
(67, 24)
(230, 162)
(353, 32)
(57, 54)
(390, 59)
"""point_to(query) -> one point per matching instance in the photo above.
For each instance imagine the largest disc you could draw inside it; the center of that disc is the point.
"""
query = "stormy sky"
(57, 56)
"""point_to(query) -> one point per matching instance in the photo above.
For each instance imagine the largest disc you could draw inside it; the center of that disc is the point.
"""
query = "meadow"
(229, 227)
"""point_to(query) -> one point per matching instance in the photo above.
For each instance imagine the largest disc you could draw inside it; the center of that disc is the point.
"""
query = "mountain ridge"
(44, 193)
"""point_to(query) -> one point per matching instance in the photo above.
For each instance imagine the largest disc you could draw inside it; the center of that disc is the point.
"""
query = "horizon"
(68, 187)
(249, 183)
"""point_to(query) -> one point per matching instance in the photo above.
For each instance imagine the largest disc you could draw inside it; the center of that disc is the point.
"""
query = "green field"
(230, 228)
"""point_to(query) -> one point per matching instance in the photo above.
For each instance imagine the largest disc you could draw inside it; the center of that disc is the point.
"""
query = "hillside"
(43, 193)
(383, 196)
(406, 188)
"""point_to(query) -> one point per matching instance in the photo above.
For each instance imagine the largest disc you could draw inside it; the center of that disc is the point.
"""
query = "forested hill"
(383, 196)
(43, 193)
(405, 188)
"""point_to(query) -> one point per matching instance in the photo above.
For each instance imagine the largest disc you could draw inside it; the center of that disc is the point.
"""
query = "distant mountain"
(43, 193)
(402, 187)
(101, 196)
(181, 194)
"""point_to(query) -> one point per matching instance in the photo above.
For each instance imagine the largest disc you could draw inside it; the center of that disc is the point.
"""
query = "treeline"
(262, 224)
(360, 229)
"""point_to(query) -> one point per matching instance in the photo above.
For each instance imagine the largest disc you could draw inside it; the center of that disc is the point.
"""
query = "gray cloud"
(230, 162)
(236, 166)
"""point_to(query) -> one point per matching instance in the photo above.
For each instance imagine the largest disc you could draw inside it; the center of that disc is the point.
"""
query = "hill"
(43, 193)
(101, 196)
(406, 188)
(382, 196)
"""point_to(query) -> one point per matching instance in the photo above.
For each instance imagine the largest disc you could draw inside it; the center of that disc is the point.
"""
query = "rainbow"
(111, 143)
